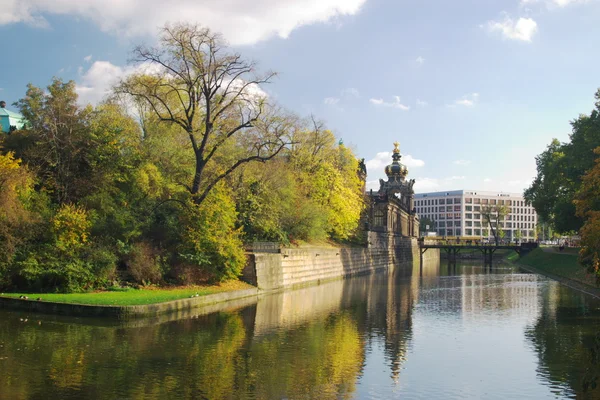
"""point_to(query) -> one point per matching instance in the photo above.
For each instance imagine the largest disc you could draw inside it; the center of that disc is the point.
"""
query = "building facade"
(10, 120)
(390, 211)
(458, 213)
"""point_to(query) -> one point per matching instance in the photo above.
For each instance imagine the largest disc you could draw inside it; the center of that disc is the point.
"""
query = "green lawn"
(132, 297)
(562, 264)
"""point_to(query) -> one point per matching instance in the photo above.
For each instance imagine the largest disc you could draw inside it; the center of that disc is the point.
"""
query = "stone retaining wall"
(312, 265)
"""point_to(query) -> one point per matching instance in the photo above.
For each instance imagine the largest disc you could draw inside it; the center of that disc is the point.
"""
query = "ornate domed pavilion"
(392, 207)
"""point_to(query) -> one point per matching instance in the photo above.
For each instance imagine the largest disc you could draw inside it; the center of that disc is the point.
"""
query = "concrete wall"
(313, 265)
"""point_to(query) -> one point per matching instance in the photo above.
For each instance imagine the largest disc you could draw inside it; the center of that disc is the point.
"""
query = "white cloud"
(421, 103)
(554, 3)
(468, 100)
(420, 60)
(426, 184)
(331, 101)
(395, 104)
(376, 165)
(462, 162)
(87, 58)
(95, 83)
(348, 94)
(487, 180)
(521, 29)
(241, 21)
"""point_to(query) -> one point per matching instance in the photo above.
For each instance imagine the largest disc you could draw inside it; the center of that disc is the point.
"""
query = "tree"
(213, 95)
(494, 215)
(518, 234)
(560, 169)
(424, 222)
(58, 145)
(588, 208)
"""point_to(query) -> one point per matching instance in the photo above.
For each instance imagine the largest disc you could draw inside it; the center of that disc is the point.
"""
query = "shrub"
(144, 263)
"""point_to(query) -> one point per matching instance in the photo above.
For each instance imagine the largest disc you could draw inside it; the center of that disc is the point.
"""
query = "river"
(464, 332)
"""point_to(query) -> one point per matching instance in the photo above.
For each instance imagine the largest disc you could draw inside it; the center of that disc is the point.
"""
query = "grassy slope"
(563, 264)
(132, 297)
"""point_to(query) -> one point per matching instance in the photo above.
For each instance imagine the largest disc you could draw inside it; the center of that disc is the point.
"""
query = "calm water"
(458, 333)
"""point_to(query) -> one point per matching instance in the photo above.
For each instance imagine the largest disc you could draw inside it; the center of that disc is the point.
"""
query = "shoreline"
(125, 312)
(568, 282)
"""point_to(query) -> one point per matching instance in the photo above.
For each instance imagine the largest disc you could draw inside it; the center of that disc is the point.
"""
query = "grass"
(133, 297)
(562, 264)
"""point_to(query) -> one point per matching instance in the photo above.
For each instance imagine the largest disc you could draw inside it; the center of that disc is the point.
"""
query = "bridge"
(453, 247)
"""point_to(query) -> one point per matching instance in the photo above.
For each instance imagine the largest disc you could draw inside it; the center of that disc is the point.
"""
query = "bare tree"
(494, 215)
(191, 79)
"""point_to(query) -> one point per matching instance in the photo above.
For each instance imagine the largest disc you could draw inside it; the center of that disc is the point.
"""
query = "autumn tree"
(191, 80)
(494, 215)
(588, 208)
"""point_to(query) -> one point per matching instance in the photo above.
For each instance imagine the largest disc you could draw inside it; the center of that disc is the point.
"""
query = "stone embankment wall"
(312, 265)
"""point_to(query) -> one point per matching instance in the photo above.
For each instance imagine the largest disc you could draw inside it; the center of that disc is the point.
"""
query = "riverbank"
(131, 296)
(560, 266)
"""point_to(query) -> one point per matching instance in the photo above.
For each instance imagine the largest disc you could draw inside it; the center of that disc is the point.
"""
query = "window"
(469, 216)
(493, 202)
(468, 232)
(378, 218)
(448, 215)
(477, 224)
(468, 223)
(456, 208)
(442, 201)
(477, 201)
(448, 208)
(457, 201)
(442, 216)
(477, 232)
(476, 216)
(449, 232)
(501, 202)
(484, 201)
(468, 201)
(442, 224)
(442, 232)
(456, 215)
(456, 223)
(458, 232)
(468, 208)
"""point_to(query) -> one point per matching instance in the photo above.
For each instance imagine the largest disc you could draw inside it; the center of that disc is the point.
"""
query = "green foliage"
(560, 169)
(89, 196)
(210, 240)
(588, 208)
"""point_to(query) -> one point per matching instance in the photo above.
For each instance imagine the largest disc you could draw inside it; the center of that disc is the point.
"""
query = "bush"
(144, 264)
(210, 240)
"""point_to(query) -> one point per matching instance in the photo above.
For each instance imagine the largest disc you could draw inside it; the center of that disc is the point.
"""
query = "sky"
(472, 90)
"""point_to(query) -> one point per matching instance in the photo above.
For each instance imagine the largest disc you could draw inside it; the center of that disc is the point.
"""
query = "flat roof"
(470, 192)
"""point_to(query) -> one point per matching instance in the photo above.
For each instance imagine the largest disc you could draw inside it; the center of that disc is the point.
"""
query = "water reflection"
(444, 332)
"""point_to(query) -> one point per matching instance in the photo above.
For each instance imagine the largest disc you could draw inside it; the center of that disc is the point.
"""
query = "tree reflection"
(567, 341)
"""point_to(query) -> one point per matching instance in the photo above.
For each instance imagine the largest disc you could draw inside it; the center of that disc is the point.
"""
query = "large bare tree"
(193, 80)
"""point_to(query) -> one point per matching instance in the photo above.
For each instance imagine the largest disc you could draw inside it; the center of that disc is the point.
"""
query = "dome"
(396, 169)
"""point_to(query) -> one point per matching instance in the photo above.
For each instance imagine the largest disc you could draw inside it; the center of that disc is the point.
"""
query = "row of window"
(477, 224)
(458, 200)
(477, 217)
(482, 232)
(426, 210)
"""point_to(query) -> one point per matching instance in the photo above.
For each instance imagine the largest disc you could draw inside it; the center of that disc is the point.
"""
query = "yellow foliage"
(71, 225)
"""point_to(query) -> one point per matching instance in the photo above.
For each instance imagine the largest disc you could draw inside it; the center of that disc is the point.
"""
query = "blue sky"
(472, 89)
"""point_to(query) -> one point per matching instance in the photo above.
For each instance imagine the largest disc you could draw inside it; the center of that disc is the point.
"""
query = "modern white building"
(458, 213)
